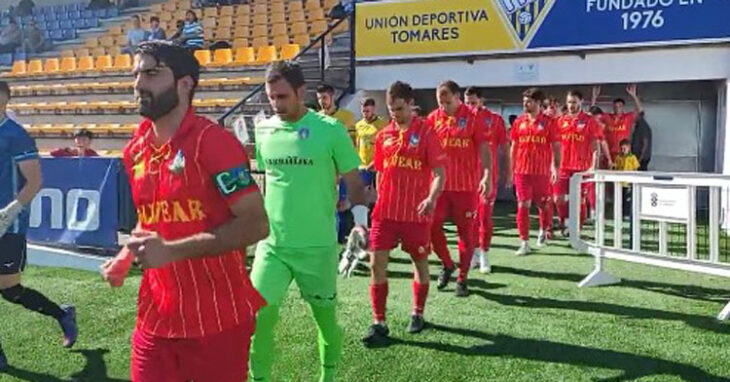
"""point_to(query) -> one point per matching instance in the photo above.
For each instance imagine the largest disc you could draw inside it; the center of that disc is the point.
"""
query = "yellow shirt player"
(326, 100)
(365, 131)
(626, 160)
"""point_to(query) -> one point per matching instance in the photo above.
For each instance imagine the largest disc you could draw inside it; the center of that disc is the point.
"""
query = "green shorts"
(314, 270)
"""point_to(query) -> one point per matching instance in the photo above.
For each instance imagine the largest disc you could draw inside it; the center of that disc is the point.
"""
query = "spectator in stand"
(176, 36)
(99, 4)
(24, 8)
(136, 35)
(35, 41)
(192, 32)
(156, 33)
(11, 37)
(82, 140)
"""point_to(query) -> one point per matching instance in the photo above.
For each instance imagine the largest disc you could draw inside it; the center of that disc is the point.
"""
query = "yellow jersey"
(626, 162)
(346, 117)
(365, 138)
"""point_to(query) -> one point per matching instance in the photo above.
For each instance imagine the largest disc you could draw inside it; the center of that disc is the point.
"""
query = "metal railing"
(321, 39)
(668, 220)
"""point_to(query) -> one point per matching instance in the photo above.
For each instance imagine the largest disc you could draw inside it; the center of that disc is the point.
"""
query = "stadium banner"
(397, 29)
(78, 204)
(420, 28)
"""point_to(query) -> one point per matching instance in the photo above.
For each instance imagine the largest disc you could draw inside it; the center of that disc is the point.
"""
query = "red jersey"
(461, 136)
(404, 160)
(495, 134)
(577, 137)
(532, 142)
(182, 188)
(618, 128)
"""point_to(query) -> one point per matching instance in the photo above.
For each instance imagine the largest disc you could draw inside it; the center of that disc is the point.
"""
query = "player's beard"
(156, 107)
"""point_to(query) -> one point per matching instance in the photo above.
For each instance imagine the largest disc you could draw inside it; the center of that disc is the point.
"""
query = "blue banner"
(596, 23)
(78, 204)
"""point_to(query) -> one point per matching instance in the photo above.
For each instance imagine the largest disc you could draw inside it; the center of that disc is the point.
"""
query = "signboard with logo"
(399, 29)
(78, 204)
(665, 203)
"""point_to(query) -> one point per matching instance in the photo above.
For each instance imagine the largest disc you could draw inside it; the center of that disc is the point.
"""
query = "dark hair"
(620, 100)
(624, 142)
(451, 85)
(512, 118)
(324, 88)
(4, 88)
(595, 110)
(289, 71)
(180, 60)
(136, 17)
(154, 18)
(195, 17)
(473, 90)
(575, 93)
(535, 94)
(368, 102)
(401, 90)
(180, 23)
(83, 133)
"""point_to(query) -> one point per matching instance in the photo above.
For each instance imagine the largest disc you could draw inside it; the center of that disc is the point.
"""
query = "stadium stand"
(88, 85)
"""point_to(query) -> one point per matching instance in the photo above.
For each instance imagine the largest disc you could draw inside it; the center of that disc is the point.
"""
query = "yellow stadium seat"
(52, 65)
(289, 51)
(156, 9)
(108, 41)
(281, 40)
(209, 23)
(208, 34)
(259, 31)
(223, 34)
(91, 42)
(35, 67)
(19, 68)
(203, 57)
(198, 12)
(242, 31)
(244, 56)
(123, 62)
(119, 41)
(312, 4)
(261, 19)
(96, 52)
(295, 5)
(225, 22)
(259, 8)
(210, 12)
(226, 10)
(315, 14)
(259, 42)
(302, 39)
(297, 16)
(67, 53)
(86, 63)
(318, 27)
(240, 43)
(222, 57)
(180, 15)
(68, 64)
(114, 51)
(329, 4)
(266, 55)
(279, 29)
(243, 9)
(104, 63)
(276, 18)
(170, 6)
(165, 18)
(344, 26)
(299, 28)
(115, 30)
(277, 8)
(242, 20)
(82, 52)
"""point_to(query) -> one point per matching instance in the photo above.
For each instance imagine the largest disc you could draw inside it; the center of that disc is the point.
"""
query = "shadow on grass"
(94, 370)
(498, 345)
(686, 291)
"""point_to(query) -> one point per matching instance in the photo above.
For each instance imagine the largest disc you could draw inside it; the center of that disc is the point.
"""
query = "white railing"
(661, 198)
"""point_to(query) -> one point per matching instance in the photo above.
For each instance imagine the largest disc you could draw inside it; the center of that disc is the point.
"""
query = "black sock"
(32, 300)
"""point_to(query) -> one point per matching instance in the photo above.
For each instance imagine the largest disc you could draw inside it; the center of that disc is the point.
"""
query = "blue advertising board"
(586, 23)
(78, 204)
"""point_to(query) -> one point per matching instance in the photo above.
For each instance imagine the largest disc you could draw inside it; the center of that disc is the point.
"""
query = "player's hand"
(426, 207)
(8, 215)
(485, 188)
(631, 89)
(115, 270)
(611, 165)
(596, 92)
(150, 250)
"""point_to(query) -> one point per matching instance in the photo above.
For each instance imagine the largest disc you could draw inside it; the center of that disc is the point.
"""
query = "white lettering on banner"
(665, 203)
(639, 14)
(88, 223)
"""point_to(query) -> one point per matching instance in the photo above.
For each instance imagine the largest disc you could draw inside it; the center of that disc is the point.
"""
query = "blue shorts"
(13, 253)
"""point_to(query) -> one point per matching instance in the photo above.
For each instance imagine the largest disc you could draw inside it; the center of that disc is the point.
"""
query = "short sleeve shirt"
(365, 138)
(578, 135)
(618, 128)
(533, 144)
(16, 146)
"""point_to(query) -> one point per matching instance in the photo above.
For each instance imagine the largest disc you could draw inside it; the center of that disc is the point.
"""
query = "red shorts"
(532, 187)
(562, 186)
(415, 238)
(222, 357)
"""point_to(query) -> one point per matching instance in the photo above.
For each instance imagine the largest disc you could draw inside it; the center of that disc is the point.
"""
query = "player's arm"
(631, 90)
(347, 163)
(595, 94)
(485, 154)
(31, 171)
(438, 180)
(24, 153)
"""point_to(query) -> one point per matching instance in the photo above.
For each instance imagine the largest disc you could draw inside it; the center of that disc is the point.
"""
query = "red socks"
(378, 298)
(420, 293)
(523, 222)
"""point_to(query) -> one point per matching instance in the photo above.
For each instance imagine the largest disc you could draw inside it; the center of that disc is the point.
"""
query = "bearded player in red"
(534, 160)
(496, 135)
(410, 163)
(620, 123)
(462, 134)
(198, 208)
(580, 137)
